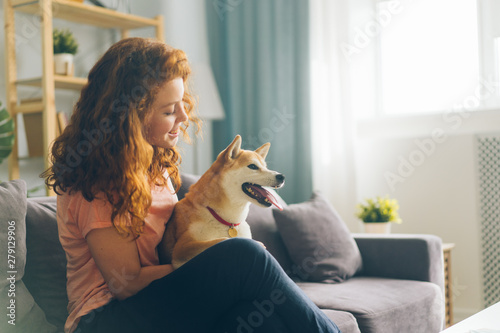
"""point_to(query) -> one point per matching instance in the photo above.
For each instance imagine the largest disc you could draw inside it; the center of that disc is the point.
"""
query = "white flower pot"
(378, 228)
(63, 64)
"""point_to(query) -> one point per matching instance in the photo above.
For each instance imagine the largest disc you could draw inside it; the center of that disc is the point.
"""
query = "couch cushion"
(383, 305)
(345, 321)
(264, 229)
(15, 298)
(318, 241)
(261, 222)
(46, 260)
(186, 181)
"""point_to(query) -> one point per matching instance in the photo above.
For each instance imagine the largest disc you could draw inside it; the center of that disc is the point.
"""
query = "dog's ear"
(234, 149)
(263, 150)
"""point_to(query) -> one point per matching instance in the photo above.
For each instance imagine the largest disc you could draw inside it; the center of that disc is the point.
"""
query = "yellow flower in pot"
(65, 47)
(378, 213)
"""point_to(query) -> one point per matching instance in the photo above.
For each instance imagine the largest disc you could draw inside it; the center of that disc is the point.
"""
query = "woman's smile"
(168, 114)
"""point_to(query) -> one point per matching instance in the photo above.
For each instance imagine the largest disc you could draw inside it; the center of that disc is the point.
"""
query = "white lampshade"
(203, 85)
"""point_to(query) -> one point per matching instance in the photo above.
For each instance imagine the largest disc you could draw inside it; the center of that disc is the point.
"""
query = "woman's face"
(163, 126)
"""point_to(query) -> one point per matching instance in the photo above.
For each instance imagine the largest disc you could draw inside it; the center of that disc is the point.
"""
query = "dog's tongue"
(265, 193)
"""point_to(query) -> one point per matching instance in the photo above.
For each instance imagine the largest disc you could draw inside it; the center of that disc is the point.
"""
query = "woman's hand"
(117, 258)
(170, 268)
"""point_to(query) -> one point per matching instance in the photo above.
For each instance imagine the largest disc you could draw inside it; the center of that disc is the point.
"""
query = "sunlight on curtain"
(332, 119)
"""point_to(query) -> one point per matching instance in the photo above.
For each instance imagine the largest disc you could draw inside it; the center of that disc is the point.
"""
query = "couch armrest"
(402, 256)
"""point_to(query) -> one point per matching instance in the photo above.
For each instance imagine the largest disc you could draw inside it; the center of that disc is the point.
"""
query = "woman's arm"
(117, 258)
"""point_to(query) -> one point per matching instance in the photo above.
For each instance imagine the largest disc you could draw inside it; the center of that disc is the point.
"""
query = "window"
(428, 57)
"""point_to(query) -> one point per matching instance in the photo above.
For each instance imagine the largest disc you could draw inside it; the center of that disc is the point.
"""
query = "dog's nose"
(280, 178)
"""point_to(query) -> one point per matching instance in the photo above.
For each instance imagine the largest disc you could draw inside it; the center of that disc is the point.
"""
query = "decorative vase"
(63, 64)
(377, 227)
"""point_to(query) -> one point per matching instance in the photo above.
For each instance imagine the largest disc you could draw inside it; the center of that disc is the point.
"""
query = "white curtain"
(341, 87)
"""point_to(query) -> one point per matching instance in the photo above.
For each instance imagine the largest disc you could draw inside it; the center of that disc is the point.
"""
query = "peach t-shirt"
(76, 217)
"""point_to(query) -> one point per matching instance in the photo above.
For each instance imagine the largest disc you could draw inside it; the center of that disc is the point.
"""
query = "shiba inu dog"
(216, 206)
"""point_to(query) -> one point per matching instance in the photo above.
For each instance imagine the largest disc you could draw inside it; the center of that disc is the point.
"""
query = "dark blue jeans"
(234, 286)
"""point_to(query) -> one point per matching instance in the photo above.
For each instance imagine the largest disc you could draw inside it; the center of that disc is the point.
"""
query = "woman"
(115, 170)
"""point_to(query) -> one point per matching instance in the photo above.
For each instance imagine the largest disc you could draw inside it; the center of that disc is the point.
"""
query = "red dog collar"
(220, 219)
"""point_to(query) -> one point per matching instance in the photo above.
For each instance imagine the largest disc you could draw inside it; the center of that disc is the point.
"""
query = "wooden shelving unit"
(60, 81)
(448, 283)
(47, 10)
(86, 14)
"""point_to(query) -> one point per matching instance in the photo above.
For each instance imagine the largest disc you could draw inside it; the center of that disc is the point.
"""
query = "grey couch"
(400, 288)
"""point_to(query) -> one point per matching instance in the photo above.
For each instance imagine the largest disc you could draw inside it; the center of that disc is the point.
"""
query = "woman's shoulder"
(164, 193)
(77, 216)
(76, 196)
(76, 202)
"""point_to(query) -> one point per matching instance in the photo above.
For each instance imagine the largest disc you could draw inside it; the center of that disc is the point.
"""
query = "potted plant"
(6, 133)
(65, 47)
(378, 213)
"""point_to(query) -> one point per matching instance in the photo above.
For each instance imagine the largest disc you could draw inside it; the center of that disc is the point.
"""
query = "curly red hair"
(103, 149)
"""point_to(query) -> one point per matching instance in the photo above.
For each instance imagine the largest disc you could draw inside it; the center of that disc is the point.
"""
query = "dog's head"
(246, 174)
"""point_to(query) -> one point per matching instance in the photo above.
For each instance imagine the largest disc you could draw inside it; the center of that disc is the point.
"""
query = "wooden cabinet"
(47, 10)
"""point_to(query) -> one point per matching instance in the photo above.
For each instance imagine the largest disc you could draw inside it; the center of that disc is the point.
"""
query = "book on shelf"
(34, 129)
(62, 122)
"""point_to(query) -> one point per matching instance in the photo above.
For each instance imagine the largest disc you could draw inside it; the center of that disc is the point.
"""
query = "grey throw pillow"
(318, 241)
(45, 272)
(187, 180)
(20, 312)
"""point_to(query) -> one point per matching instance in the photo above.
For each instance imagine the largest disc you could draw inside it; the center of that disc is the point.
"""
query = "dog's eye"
(253, 167)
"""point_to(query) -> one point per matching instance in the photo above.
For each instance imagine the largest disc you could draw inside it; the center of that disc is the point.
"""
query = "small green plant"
(64, 42)
(6, 133)
(379, 210)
